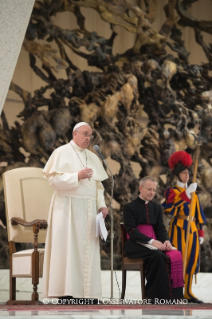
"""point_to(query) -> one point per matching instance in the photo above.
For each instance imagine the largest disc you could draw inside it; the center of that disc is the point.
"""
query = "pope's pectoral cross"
(88, 175)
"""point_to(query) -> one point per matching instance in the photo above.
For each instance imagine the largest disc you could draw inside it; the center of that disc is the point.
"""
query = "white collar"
(146, 201)
(182, 185)
(76, 146)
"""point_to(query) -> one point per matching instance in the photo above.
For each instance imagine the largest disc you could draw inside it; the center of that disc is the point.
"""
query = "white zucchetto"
(79, 124)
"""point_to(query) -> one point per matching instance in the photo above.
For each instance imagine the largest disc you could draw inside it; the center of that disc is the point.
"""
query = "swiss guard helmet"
(179, 161)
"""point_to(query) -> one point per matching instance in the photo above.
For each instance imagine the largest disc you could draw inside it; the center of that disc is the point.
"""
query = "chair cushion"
(22, 263)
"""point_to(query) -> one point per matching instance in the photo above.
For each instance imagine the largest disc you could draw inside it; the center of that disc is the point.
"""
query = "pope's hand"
(85, 173)
(104, 211)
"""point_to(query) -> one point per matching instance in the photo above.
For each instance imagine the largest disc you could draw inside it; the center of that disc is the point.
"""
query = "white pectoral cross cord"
(86, 160)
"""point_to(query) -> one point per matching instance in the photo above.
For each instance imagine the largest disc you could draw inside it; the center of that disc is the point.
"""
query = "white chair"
(27, 200)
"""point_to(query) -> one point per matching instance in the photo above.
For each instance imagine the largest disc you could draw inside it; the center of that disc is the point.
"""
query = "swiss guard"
(177, 204)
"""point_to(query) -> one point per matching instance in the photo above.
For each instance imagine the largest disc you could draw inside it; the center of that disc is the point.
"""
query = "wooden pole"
(190, 212)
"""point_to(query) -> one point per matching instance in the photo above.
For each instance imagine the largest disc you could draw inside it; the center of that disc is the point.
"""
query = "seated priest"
(144, 225)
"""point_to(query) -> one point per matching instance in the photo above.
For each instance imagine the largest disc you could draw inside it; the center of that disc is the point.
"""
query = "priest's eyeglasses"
(86, 135)
(150, 189)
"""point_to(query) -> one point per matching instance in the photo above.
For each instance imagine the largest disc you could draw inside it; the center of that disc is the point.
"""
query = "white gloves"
(201, 239)
(192, 188)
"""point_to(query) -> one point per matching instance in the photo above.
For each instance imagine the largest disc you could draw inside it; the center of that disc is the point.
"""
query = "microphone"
(96, 148)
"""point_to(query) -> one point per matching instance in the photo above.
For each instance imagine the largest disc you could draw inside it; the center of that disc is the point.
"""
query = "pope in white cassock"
(72, 253)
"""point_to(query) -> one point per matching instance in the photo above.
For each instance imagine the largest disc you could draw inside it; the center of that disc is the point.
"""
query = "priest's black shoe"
(194, 300)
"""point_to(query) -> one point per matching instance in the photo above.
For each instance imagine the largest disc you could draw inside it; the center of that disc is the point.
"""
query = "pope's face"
(148, 190)
(184, 176)
(82, 136)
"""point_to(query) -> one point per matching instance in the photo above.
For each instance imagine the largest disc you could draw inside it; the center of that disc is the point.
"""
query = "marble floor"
(203, 290)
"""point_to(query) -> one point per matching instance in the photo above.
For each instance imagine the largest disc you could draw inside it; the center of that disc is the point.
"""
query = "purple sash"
(147, 230)
(175, 257)
(176, 267)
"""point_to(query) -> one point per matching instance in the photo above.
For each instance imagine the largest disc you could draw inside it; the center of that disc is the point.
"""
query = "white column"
(14, 19)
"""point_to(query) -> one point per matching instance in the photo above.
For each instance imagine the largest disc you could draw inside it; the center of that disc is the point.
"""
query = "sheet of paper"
(152, 247)
(100, 226)
(148, 246)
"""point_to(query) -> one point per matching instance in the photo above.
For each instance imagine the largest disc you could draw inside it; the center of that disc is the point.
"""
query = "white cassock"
(72, 252)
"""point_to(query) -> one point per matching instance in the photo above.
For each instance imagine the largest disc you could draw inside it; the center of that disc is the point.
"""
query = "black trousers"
(158, 266)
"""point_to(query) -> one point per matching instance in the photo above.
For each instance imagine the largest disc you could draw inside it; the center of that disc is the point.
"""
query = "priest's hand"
(85, 173)
(104, 211)
(168, 245)
(158, 244)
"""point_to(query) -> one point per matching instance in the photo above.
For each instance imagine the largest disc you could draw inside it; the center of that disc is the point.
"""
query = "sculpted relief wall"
(127, 68)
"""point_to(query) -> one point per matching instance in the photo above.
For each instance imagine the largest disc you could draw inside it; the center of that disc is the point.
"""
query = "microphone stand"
(96, 148)
(111, 227)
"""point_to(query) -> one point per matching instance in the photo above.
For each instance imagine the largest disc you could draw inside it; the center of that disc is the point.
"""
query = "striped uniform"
(178, 204)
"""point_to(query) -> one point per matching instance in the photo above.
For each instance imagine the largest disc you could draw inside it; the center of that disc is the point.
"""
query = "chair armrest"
(39, 223)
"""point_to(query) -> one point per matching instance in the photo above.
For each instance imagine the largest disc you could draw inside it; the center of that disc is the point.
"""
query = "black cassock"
(159, 284)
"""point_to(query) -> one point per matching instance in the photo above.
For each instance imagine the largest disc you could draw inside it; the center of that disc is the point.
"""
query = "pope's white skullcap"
(79, 124)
